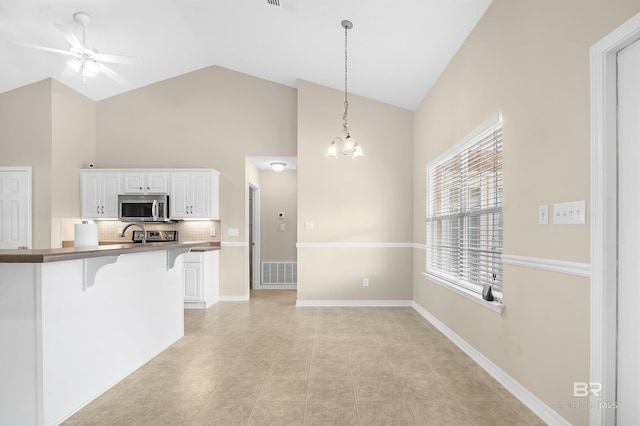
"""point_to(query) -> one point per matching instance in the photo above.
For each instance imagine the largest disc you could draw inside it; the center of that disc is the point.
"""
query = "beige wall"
(51, 128)
(278, 193)
(530, 61)
(73, 147)
(211, 118)
(25, 140)
(367, 200)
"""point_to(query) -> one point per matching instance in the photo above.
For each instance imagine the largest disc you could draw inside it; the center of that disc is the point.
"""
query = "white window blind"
(464, 211)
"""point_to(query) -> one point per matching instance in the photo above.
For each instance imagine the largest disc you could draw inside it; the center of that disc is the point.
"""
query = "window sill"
(474, 297)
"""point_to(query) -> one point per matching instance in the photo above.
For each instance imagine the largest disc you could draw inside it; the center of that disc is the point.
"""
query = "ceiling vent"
(276, 3)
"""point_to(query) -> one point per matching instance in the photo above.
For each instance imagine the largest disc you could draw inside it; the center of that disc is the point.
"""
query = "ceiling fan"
(84, 59)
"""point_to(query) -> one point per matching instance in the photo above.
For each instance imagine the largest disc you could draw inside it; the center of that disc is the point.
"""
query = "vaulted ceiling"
(397, 49)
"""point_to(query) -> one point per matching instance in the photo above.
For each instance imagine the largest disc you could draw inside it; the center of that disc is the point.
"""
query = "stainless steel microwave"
(143, 208)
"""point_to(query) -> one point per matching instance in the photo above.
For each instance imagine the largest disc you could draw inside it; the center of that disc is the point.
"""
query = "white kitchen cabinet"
(194, 195)
(139, 182)
(99, 192)
(201, 279)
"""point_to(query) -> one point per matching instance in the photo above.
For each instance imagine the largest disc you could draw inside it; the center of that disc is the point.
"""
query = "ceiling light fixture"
(278, 166)
(345, 144)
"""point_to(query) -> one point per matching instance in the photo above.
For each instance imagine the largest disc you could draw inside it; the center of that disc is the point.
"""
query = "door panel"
(628, 377)
(14, 209)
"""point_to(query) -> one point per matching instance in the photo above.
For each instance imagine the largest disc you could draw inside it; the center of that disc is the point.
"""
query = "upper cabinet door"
(91, 184)
(179, 197)
(100, 194)
(145, 182)
(200, 195)
(157, 183)
(110, 191)
(194, 195)
(133, 183)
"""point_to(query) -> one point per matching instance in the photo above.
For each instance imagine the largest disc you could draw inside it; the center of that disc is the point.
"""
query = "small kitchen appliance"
(143, 208)
(154, 236)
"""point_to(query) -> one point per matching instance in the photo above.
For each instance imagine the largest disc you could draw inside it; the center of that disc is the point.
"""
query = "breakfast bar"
(74, 322)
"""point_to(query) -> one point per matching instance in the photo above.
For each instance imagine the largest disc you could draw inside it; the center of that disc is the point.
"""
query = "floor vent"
(276, 3)
(279, 273)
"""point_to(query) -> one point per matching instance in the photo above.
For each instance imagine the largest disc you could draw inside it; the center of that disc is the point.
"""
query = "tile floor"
(266, 362)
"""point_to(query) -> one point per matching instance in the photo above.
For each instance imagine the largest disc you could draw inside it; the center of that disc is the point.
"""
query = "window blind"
(464, 213)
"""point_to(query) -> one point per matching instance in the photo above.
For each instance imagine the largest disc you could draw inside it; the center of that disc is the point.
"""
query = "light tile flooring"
(266, 362)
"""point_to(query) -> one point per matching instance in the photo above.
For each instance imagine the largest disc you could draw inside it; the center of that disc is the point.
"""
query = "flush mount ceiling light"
(345, 144)
(278, 166)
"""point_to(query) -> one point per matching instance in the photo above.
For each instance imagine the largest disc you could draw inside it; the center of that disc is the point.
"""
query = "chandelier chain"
(346, 102)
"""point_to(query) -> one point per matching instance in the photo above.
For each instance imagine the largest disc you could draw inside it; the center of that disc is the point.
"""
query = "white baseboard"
(542, 410)
(353, 303)
(234, 298)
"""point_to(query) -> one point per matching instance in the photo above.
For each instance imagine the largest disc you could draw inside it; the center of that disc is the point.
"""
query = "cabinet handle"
(98, 209)
(148, 188)
(140, 188)
(102, 212)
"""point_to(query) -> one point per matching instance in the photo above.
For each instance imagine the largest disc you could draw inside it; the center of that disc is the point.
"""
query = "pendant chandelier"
(346, 145)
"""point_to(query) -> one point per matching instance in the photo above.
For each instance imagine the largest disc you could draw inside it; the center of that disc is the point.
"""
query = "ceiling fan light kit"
(83, 59)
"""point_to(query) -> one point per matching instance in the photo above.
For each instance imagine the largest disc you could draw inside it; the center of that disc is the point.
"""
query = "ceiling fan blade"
(116, 59)
(69, 35)
(48, 49)
(114, 75)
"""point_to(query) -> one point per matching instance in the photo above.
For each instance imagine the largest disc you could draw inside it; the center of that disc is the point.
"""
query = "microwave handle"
(154, 210)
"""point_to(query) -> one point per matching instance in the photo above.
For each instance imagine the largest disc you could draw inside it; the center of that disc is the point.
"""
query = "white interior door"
(628, 346)
(15, 208)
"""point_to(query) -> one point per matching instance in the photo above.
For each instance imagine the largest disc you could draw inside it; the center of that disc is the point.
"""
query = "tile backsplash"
(187, 230)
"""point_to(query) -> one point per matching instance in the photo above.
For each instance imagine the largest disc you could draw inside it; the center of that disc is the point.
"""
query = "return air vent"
(276, 3)
(279, 273)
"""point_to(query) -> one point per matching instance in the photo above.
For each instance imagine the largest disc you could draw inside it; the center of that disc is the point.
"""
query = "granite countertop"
(73, 253)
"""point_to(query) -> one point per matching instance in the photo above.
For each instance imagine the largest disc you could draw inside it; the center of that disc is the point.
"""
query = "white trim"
(234, 298)
(234, 244)
(353, 303)
(553, 265)
(546, 413)
(604, 214)
(255, 250)
(419, 246)
(354, 245)
(468, 294)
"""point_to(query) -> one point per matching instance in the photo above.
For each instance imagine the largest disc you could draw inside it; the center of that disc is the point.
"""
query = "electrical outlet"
(282, 226)
(232, 232)
(365, 282)
(212, 232)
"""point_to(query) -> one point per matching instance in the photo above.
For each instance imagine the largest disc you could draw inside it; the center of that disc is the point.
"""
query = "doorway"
(615, 329)
(254, 237)
(15, 207)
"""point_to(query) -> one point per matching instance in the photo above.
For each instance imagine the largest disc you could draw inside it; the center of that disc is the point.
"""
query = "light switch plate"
(543, 214)
(232, 232)
(308, 226)
(572, 213)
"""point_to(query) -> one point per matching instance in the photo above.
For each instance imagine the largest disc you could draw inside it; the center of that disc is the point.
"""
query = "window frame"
(460, 263)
